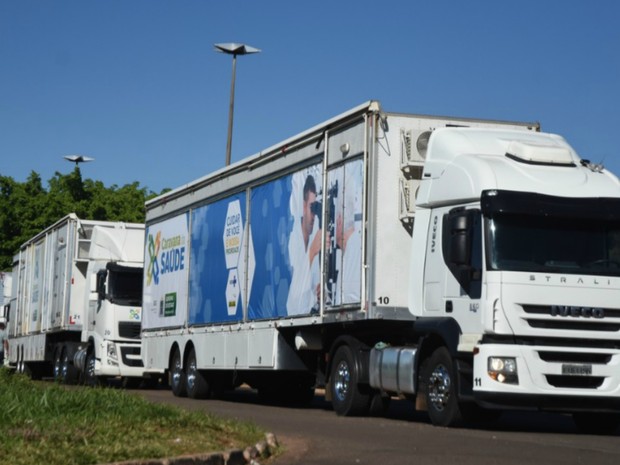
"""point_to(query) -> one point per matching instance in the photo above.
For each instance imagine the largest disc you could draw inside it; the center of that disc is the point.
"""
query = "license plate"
(573, 369)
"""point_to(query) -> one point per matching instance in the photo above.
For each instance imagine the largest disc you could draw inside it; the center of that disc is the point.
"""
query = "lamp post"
(234, 50)
(77, 159)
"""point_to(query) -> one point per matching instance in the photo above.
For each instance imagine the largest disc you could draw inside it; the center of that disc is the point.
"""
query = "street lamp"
(234, 50)
(77, 159)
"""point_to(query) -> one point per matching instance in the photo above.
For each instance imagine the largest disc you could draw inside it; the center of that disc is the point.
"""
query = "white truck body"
(6, 280)
(76, 308)
(416, 289)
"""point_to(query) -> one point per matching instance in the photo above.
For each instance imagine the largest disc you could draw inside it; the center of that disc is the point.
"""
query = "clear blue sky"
(137, 85)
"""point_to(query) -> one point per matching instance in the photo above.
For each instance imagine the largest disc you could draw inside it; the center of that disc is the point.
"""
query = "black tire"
(90, 379)
(19, 365)
(69, 372)
(177, 375)
(438, 382)
(347, 397)
(197, 385)
(596, 422)
(57, 370)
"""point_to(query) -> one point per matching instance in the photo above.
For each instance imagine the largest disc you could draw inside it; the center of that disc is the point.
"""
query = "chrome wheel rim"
(342, 381)
(191, 374)
(176, 371)
(439, 385)
(90, 368)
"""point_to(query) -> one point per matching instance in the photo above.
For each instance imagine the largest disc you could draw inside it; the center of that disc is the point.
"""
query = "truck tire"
(69, 374)
(347, 397)
(177, 375)
(90, 379)
(596, 422)
(438, 382)
(20, 365)
(57, 370)
(197, 385)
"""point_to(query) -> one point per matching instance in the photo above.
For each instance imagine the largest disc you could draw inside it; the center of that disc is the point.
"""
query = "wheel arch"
(189, 346)
(90, 346)
(358, 347)
(437, 332)
(176, 346)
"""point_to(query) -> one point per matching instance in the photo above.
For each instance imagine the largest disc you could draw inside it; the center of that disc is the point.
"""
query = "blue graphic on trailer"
(271, 226)
(216, 255)
(285, 230)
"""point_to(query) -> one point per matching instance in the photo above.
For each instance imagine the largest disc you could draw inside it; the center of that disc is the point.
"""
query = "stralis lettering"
(576, 312)
(572, 280)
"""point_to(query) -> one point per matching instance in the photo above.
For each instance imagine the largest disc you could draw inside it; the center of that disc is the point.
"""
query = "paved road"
(317, 436)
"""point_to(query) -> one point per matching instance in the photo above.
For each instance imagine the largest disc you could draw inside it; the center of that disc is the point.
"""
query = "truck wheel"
(19, 365)
(58, 365)
(439, 384)
(197, 386)
(596, 422)
(347, 398)
(68, 371)
(90, 379)
(177, 375)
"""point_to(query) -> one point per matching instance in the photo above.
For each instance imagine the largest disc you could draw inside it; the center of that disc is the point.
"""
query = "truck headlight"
(112, 355)
(503, 369)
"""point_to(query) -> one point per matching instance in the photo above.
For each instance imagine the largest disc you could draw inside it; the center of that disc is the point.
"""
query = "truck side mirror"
(460, 239)
(459, 230)
(101, 278)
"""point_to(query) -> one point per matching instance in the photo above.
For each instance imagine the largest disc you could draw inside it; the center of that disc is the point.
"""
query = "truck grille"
(542, 317)
(575, 382)
(129, 330)
(574, 357)
(584, 363)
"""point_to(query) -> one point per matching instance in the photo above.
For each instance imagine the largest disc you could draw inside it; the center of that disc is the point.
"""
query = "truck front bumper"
(120, 359)
(547, 377)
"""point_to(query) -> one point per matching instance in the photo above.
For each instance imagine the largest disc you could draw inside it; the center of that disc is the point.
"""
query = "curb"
(248, 456)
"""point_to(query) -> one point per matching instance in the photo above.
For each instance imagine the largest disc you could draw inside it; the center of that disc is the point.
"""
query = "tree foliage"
(27, 208)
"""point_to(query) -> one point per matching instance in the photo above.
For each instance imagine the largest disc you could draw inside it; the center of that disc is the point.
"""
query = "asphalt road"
(317, 436)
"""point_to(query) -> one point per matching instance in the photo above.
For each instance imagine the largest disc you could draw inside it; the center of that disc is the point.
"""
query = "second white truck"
(76, 305)
(472, 266)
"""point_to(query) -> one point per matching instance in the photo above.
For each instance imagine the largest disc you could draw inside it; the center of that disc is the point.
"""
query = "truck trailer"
(76, 303)
(471, 266)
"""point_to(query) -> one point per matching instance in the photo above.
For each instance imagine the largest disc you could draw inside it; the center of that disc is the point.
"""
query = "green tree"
(27, 208)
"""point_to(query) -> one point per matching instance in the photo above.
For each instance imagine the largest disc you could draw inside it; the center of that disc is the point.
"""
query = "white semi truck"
(76, 304)
(472, 266)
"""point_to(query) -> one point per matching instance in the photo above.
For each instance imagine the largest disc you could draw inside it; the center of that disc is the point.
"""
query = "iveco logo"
(586, 312)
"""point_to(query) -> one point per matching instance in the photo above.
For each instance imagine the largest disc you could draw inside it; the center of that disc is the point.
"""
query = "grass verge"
(49, 424)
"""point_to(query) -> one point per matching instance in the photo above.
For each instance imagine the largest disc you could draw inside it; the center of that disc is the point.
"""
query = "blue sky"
(137, 85)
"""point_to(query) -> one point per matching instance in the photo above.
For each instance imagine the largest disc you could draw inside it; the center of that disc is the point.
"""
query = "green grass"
(47, 423)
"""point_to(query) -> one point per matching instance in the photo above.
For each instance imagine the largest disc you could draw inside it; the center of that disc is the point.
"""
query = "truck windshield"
(125, 286)
(518, 242)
